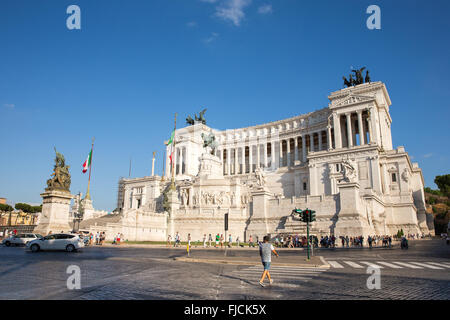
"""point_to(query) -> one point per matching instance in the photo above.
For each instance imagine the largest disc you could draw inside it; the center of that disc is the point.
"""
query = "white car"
(57, 241)
(21, 239)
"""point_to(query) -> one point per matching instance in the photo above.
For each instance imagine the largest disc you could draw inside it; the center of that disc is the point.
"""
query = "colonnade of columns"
(242, 159)
(353, 128)
(180, 162)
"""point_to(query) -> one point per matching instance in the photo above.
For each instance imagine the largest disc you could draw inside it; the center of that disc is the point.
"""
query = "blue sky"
(135, 63)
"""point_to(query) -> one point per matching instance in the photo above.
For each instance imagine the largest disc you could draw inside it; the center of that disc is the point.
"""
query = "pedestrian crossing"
(282, 275)
(388, 264)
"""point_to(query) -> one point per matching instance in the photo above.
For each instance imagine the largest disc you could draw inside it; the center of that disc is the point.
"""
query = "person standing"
(265, 251)
(250, 241)
(237, 242)
(217, 241)
(209, 240)
(189, 241)
(221, 241)
(169, 240)
(204, 240)
(175, 240)
(230, 241)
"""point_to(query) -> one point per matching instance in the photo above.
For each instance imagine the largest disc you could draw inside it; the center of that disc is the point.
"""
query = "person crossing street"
(265, 251)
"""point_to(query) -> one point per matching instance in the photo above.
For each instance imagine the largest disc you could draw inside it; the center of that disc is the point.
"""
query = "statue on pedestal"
(60, 177)
(210, 143)
(348, 171)
(199, 118)
(260, 177)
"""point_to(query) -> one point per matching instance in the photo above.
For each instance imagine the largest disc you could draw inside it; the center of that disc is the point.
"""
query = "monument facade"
(338, 161)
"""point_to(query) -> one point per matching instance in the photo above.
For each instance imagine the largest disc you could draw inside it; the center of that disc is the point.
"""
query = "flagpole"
(172, 186)
(88, 196)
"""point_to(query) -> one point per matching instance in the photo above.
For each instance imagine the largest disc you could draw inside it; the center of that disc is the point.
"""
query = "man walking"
(209, 241)
(230, 241)
(265, 251)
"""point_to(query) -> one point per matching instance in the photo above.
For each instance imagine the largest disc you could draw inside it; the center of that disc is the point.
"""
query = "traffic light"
(312, 216)
(305, 217)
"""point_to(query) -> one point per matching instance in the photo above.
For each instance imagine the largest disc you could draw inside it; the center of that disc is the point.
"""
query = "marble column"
(182, 160)
(272, 154)
(265, 155)
(250, 158)
(349, 130)
(243, 159)
(369, 126)
(288, 152)
(320, 140)
(304, 148)
(258, 156)
(296, 148)
(337, 131)
(236, 161)
(360, 127)
(229, 161)
(281, 161)
(329, 143)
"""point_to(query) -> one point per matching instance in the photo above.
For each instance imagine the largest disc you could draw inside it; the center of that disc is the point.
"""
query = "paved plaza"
(114, 272)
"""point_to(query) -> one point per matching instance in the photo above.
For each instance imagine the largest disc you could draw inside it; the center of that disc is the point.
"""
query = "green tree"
(24, 207)
(6, 208)
(443, 183)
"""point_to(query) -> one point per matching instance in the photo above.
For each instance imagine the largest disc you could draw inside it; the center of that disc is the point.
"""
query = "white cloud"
(265, 9)
(232, 10)
(191, 24)
(428, 155)
(211, 38)
(9, 105)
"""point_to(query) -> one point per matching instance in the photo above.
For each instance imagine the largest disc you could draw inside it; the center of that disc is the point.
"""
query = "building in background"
(338, 161)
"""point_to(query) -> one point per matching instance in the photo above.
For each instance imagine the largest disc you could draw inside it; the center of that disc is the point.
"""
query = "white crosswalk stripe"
(440, 264)
(334, 264)
(282, 275)
(408, 265)
(373, 265)
(390, 265)
(427, 265)
(354, 265)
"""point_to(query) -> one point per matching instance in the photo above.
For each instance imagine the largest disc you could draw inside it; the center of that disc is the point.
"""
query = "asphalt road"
(422, 272)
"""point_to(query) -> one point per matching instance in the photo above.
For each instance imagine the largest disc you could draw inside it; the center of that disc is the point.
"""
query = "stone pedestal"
(350, 219)
(210, 167)
(258, 217)
(55, 212)
(88, 208)
(174, 204)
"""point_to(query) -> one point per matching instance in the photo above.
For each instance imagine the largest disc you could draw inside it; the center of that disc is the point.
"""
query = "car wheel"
(35, 248)
(7, 243)
(70, 248)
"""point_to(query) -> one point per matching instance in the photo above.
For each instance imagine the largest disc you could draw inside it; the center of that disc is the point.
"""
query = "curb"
(248, 263)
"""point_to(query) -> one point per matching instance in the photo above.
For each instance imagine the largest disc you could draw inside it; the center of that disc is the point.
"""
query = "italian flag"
(87, 163)
(171, 146)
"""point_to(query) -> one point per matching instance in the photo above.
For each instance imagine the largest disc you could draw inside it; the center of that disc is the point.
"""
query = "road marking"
(354, 265)
(427, 266)
(334, 264)
(440, 264)
(408, 265)
(373, 265)
(387, 264)
(280, 276)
